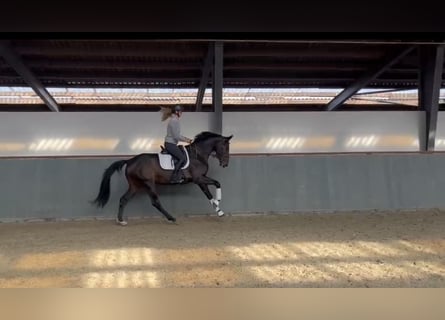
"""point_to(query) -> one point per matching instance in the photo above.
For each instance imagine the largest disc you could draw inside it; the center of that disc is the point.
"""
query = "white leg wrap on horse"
(122, 223)
(215, 204)
(218, 194)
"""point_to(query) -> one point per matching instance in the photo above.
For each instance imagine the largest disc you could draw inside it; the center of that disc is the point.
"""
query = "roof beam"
(190, 77)
(107, 64)
(16, 62)
(237, 51)
(384, 91)
(193, 83)
(119, 48)
(431, 66)
(206, 71)
(263, 64)
(366, 78)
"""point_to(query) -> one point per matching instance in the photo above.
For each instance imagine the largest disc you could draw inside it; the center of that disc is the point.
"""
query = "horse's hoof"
(220, 213)
(122, 223)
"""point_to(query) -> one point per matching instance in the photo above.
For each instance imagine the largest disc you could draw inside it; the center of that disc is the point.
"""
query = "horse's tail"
(104, 192)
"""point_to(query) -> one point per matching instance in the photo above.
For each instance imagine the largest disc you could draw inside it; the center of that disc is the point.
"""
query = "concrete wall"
(30, 134)
(61, 188)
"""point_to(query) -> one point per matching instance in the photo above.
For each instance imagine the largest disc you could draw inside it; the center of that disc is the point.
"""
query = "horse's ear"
(228, 138)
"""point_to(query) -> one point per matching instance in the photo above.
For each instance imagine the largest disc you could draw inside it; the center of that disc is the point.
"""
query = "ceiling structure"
(186, 64)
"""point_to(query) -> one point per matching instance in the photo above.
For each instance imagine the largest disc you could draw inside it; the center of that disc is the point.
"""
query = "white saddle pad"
(166, 161)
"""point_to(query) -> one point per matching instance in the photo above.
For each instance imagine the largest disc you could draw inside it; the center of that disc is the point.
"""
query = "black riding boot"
(176, 175)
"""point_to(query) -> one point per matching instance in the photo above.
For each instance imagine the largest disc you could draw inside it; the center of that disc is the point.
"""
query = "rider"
(172, 138)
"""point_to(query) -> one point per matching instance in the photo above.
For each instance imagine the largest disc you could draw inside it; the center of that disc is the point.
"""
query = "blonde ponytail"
(166, 113)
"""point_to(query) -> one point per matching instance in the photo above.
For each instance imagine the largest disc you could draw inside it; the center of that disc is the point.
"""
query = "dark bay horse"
(143, 172)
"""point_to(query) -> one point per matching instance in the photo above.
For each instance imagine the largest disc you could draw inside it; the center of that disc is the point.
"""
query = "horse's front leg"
(203, 183)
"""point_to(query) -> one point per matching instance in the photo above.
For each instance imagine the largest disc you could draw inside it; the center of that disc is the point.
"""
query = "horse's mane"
(205, 135)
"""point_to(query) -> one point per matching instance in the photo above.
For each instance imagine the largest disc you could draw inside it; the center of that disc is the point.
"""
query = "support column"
(217, 91)
(430, 78)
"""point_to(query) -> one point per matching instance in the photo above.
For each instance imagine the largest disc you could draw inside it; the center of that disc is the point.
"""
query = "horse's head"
(214, 144)
(222, 150)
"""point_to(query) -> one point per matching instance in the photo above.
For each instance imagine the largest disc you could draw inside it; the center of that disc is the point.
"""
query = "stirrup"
(177, 177)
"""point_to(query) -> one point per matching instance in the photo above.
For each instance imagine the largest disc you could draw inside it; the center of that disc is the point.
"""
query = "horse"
(143, 172)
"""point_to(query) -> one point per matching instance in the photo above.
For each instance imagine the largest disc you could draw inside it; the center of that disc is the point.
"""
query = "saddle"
(166, 160)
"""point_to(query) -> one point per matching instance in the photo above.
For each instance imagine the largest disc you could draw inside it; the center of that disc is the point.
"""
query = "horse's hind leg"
(155, 201)
(122, 203)
(132, 189)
